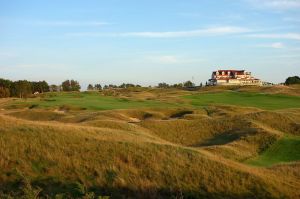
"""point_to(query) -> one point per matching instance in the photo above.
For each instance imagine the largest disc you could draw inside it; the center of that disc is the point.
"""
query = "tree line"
(109, 86)
(21, 88)
(187, 84)
(25, 88)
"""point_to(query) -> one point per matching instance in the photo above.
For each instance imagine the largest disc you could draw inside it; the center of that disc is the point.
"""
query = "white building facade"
(233, 77)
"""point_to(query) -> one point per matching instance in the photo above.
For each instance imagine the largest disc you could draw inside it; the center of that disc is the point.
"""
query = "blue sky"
(147, 42)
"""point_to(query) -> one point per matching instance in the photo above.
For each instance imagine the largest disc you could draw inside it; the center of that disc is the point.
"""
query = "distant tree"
(70, 85)
(44, 86)
(5, 83)
(188, 84)
(90, 87)
(54, 88)
(66, 85)
(41, 86)
(201, 85)
(206, 84)
(128, 85)
(179, 85)
(4, 92)
(98, 87)
(5, 87)
(22, 88)
(106, 87)
(292, 80)
(163, 85)
(112, 86)
(75, 85)
(122, 85)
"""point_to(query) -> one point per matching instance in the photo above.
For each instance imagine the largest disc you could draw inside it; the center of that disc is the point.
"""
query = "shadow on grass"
(55, 188)
(227, 137)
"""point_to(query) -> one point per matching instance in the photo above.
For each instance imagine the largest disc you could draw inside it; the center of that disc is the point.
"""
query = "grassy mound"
(286, 149)
(61, 159)
(140, 143)
(278, 121)
(38, 115)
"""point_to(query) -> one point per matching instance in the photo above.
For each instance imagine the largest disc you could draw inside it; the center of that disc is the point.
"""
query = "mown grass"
(86, 101)
(259, 100)
(284, 150)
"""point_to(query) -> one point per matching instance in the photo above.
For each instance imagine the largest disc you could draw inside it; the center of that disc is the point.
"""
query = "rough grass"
(246, 99)
(284, 150)
(120, 163)
(150, 148)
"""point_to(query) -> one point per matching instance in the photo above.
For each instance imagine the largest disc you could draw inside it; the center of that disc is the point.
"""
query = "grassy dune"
(284, 150)
(83, 145)
(58, 157)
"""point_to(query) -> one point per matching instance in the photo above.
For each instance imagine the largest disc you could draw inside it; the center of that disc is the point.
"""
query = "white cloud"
(214, 31)
(276, 45)
(192, 33)
(291, 36)
(276, 4)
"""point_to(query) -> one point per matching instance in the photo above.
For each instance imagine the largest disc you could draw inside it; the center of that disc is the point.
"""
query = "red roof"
(239, 72)
(231, 70)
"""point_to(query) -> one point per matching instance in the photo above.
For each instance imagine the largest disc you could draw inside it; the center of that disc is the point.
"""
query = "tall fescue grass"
(158, 151)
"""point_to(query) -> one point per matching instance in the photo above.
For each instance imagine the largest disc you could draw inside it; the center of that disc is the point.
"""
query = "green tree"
(40, 86)
(66, 85)
(90, 87)
(4, 92)
(5, 83)
(5, 86)
(292, 80)
(54, 88)
(70, 85)
(122, 85)
(105, 87)
(22, 88)
(188, 84)
(98, 87)
(75, 85)
(163, 85)
(179, 85)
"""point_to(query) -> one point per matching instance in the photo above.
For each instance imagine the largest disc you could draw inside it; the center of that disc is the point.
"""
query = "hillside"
(151, 143)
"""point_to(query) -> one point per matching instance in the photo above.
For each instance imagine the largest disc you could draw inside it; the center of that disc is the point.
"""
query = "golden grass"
(87, 154)
(148, 153)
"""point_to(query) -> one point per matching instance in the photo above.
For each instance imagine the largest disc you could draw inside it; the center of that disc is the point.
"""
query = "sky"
(147, 41)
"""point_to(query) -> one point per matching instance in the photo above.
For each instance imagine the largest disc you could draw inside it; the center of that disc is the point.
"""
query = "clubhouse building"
(233, 77)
